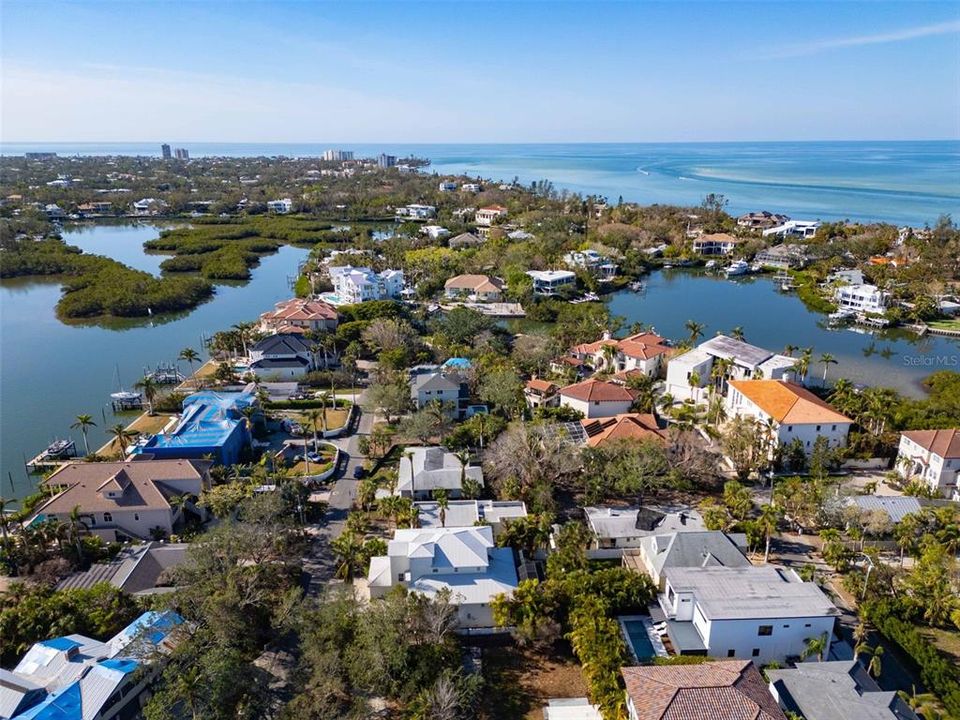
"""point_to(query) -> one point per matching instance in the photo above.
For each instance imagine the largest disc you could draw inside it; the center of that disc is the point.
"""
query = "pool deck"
(655, 640)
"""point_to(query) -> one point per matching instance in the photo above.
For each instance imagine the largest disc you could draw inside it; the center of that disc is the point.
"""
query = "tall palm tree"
(695, 329)
(789, 350)
(442, 498)
(875, 666)
(121, 436)
(190, 356)
(737, 333)
(413, 475)
(3, 519)
(83, 423)
(609, 353)
(76, 528)
(150, 389)
(243, 332)
(316, 418)
(768, 520)
(827, 359)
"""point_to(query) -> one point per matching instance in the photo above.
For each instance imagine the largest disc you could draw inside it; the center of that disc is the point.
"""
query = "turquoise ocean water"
(899, 182)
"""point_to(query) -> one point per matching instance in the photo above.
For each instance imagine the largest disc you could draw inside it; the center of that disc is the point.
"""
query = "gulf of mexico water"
(909, 182)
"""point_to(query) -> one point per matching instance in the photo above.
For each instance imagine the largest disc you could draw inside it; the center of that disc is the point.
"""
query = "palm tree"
(442, 497)
(76, 528)
(768, 520)
(789, 350)
(875, 666)
(737, 333)
(609, 356)
(3, 519)
(815, 646)
(413, 475)
(190, 356)
(121, 436)
(927, 705)
(348, 549)
(694, 381)
(827, 359)
(243, 331)
(83, 423)
(696, 330)
(148, 386)
(316, 418)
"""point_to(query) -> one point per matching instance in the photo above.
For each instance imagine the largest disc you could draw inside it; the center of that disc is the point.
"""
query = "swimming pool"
(641, 638)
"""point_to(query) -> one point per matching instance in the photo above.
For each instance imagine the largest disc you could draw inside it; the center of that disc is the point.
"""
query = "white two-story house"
(358, 284)
(792, 412)
(933, 456)
(643, 351)
(862, 298)
(760, 613)
(461, 560)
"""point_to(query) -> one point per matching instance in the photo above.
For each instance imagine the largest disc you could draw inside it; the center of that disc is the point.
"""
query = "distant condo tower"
(387, 161)
(182, 154)
(165, 149)
(338, 155)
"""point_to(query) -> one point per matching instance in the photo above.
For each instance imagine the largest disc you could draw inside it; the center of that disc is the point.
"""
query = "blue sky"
(478, 72)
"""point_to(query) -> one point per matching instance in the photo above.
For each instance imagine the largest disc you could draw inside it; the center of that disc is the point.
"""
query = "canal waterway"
(50, 371)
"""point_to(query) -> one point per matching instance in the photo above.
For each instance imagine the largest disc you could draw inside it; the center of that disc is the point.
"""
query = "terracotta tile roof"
(567, 360)
(543, 386)
(477, 283)
(723, 690)
(643, 345)
(945, 443)
(300, 309)
(788, 403)
(627, 426)
(597, 391)
(592, 348)
(140, 484)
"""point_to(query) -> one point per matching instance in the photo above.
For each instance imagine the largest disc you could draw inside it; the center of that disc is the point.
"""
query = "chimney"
(607, 335)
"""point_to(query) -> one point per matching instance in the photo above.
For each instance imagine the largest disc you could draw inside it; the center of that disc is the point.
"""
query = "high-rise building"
(387, 161)
(182, 154)
(165, 149)
(338, 155)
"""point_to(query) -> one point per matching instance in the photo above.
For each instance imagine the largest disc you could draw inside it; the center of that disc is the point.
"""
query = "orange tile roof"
(544, 386)
(300, 309)
(722, 690)
(626, 426)
(944, 443)
(477, 283)
(597, 391)
(643, 345)
(788, 403)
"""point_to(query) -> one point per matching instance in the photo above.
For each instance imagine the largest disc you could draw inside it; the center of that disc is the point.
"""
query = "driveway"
(319, 562)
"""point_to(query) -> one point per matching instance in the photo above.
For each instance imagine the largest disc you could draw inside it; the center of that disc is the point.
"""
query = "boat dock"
(53, 456)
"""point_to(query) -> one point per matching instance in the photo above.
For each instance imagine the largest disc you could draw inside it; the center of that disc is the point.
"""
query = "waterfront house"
(469, 513)
(690, 548)
(541, 393)
(287, 355)
(487, 216)
(782, 257)
(299, 314)
(862, 298)
(835, 690)
(447, 186)
(463, 561)
(477, 288)
(790, 411)
(465, 240)
(597, 399)
(353, 285)
(212, 424)
(615, 529)
(471, 187)
(149, 206)
(690, 374)
(425, 469)
(794, 228)
(638, 427)
(416, 211)
(846, 277)
(933, 457)
(127, 500)
(434, 232)
(74, 677)
(593, 262)
(547, 282)
(727, 690)
(281, 207)
(715, 244)
(761, 220)
(643, 351)
(761, 613)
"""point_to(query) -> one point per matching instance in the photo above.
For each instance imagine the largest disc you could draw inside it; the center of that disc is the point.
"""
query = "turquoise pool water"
(639, 639)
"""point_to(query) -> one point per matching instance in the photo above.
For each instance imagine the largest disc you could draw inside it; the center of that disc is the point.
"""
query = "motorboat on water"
(738, 267)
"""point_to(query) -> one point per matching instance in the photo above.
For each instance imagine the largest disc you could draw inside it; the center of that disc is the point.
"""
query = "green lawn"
(953, 324)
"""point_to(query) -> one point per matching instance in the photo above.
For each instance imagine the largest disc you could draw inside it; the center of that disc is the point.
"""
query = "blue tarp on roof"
(67, 704)
(60, 643)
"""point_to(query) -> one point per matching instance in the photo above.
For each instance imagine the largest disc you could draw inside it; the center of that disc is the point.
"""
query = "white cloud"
(815, 46)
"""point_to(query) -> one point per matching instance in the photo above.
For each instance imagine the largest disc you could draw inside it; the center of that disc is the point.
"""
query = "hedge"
(936, 672)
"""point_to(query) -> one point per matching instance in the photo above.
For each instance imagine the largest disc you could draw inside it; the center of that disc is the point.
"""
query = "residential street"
(318, 563)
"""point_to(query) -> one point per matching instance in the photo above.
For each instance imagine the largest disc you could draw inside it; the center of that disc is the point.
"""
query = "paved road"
(319, 562)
